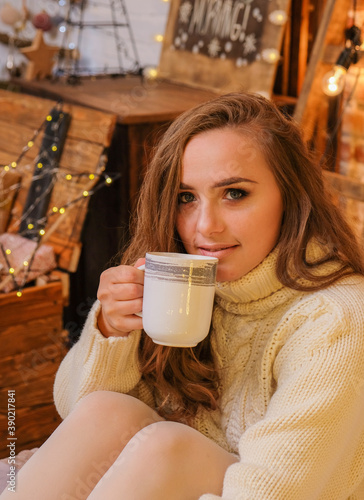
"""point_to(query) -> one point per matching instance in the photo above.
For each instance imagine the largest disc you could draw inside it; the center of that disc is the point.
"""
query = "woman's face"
(230, 206)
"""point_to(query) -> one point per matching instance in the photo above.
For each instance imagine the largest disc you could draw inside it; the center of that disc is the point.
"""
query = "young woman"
(270, 405)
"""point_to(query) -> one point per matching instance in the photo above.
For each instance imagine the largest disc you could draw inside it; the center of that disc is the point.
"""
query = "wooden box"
(32, 339)
(32, 346)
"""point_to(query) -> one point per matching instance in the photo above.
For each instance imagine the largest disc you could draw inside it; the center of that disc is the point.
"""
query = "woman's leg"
(165, 460)
(82, 448)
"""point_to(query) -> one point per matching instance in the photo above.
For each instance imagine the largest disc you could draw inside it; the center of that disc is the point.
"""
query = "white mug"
(178, 297)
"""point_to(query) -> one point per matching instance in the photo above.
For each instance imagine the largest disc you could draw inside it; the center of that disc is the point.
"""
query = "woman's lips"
(218, 251)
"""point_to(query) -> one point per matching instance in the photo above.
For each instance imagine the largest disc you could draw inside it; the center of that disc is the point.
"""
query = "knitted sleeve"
(310, 442)
(98, 363)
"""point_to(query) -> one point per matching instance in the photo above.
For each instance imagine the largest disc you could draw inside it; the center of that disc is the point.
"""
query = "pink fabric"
(22, 249)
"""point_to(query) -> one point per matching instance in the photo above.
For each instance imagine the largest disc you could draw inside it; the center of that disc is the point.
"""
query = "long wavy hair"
(187, 375)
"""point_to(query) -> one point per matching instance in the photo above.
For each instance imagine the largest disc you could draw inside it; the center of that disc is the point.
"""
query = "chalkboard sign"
(224, 44)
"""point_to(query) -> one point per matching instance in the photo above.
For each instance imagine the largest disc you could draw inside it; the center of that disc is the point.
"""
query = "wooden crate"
(31, 326)
(32, 346)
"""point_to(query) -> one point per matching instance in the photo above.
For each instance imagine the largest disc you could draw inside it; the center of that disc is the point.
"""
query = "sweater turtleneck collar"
(261, 289)
(259, 284)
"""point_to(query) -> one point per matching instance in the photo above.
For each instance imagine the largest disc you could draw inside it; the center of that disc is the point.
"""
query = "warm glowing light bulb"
(68, 177)
(150, 72)
(14, 164)
(30, 226)
(19, 294)
(11, 270)
(333, 82)
(278, 17)
(108, 180)
(91, 176)
(25, 263)
(8, 251)
(270, 55)
(85, 193)
(42, 232)
(158, 37)
(62, 210)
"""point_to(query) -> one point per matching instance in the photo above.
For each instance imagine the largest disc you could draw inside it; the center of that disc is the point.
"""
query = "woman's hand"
(121, 295)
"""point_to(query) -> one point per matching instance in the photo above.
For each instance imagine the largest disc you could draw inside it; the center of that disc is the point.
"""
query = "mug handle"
(142, 268)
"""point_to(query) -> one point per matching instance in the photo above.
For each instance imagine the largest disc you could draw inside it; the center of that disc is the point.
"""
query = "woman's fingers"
(121, 295)
(120, 291)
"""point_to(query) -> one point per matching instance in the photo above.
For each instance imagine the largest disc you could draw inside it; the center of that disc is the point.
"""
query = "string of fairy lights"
(99, 180)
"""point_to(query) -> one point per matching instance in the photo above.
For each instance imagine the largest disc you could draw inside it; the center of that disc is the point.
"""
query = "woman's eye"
(236, 194)
(185, 198)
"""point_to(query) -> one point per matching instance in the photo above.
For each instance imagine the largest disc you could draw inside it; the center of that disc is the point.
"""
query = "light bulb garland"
(333, 82)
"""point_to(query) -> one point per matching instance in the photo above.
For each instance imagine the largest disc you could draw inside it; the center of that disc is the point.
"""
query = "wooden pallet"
(84, 152)
(31, 326)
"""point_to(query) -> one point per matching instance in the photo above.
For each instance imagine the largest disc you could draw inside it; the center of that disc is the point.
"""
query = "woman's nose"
(209, 220)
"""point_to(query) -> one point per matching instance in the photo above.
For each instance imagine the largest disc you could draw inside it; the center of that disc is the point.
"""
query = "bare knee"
(114, 411)
(160, 438)
(168, 438)
(174, 453)
(172, 442)
(156, 446)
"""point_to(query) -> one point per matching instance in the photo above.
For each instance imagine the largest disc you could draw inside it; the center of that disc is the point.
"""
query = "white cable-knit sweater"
(292, 385)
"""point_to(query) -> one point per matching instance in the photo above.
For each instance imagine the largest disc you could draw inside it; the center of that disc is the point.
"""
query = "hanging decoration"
(212, 32)
(225, 45)
(42, 21)
(230, 30)
(16, 18)
(334, 81)
(10, 15)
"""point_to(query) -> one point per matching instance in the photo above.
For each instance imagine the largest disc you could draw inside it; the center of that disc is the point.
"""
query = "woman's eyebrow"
(223, 182)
